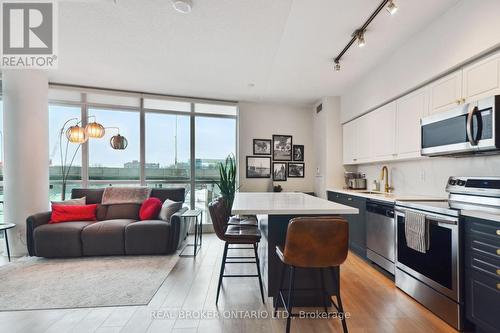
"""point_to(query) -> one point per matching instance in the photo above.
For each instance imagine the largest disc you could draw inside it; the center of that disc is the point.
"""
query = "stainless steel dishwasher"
(380, 234)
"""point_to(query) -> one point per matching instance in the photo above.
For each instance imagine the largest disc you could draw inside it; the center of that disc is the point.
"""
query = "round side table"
(4, 227)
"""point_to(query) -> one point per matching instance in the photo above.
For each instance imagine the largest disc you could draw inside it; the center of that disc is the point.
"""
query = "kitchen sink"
(377, 193)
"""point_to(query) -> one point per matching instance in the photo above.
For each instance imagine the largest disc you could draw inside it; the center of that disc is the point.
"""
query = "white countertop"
(481, 215)
(286, 203)
(388, 197)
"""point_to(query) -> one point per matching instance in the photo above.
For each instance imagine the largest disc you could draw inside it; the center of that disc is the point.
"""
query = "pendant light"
(95, 130)
(118, 142)
(76, 134)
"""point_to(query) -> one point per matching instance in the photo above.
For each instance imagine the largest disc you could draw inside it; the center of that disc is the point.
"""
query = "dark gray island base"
(273, 230)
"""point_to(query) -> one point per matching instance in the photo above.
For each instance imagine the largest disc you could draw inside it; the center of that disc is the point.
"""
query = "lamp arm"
(116, 128)
(71, 163)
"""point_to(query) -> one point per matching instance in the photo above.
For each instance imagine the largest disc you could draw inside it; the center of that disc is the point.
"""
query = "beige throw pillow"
(168, 209)
(71, 202)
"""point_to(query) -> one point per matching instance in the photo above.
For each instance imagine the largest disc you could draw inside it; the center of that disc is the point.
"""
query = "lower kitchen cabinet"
(482, 274)
(357, 223)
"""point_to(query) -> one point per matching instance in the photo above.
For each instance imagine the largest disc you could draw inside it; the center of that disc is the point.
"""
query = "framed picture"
(258, 167)
(279, 171)
(261, 147)
(296, 170)
(298, 152)
(282, 147)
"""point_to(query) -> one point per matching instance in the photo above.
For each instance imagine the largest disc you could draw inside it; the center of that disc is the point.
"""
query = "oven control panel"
(485, 186)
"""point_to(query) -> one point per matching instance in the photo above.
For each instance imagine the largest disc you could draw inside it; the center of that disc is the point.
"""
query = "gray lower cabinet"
(357, 223)
(482, 274)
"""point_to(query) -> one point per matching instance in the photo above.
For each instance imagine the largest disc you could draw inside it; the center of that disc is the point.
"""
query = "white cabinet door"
(383, 132)
(482, 79)
(349, 143)
(409, 110)
(364, 138)
(446, 92)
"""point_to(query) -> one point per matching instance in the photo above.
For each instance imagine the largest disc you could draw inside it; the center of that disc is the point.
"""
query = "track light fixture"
(359, 34)
(392, 8)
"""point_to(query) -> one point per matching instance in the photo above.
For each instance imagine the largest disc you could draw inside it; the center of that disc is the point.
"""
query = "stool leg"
(280, 287)
(336, 278)
(290, 298)
(324, 294)
(258, 272)
(222, 265)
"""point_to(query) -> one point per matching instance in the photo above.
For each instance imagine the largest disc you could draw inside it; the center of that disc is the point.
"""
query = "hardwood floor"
(374, 304)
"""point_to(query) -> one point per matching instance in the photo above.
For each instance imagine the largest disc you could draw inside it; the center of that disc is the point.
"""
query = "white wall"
(465, 31)
(327, 133)
(261, 121)
(429, 175)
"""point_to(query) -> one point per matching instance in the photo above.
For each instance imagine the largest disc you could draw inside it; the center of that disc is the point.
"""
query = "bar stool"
(234, 235)
(314, 242)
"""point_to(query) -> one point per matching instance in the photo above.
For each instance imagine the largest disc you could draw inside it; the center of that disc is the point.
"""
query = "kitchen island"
(275, 210)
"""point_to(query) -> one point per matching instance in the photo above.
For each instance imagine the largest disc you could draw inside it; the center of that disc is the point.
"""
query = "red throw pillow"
(150, 209)
(65, 213)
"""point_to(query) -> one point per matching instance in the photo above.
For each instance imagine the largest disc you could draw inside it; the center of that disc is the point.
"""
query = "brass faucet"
(385, 172)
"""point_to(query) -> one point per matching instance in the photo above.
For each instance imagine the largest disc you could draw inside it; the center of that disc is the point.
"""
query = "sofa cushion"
(71, 202)
(168, 209)
(63, 213)
(150, 209)
(123, 211)
(60, 239)
(147, 237)
(105, 238)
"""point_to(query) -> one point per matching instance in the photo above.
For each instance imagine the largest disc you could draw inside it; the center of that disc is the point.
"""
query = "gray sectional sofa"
(117, 230)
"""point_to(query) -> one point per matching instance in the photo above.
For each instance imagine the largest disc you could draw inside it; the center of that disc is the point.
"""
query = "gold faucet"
(385, 172)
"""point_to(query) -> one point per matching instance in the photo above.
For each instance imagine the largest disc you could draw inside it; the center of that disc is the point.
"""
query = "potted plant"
(227, 181)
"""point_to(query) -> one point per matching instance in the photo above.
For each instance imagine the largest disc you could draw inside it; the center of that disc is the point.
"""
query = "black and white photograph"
(258, 167)
(279, 171)
(282, 147)
(298, 152)
(261, 147)
(296, 170)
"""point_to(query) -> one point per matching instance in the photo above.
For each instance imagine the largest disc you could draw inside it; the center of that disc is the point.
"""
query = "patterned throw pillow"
(168, 209)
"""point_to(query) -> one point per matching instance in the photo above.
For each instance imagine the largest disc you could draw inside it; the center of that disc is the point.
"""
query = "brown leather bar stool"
(314, 242)
(234, 235)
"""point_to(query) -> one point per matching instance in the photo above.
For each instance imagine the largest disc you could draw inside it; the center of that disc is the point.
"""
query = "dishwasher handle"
(380, 209)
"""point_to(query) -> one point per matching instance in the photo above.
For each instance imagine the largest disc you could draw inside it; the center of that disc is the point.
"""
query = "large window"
(171, 142)
(106, 163)
(1, 160)
(58, 116)
(167, 147)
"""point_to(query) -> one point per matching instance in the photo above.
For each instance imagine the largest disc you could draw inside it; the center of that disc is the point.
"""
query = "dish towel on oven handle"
(416, 231)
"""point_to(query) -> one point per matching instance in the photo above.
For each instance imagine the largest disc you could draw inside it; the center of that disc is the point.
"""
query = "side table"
(198, 216)
(4, 227)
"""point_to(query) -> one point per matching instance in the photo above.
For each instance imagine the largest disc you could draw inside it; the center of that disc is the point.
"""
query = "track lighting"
(182, 6)
(392, 8)
(337, 66)
(360, 35)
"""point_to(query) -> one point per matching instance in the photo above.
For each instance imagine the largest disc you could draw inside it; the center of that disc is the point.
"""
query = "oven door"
(469, 128)
(439, 266)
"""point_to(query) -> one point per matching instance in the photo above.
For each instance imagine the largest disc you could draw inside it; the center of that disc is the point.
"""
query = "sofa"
(117, 230)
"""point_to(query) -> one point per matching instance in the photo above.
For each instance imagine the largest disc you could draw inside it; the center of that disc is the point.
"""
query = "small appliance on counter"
(355, 180)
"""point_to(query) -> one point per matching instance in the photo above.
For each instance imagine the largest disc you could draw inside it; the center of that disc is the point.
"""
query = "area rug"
(38, 283)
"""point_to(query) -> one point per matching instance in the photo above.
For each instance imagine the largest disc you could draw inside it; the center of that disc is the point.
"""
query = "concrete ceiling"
(245, 50)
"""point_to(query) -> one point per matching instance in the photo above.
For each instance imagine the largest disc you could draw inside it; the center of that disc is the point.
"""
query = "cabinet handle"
(498, 271)
(498, 232)
(498, 286)
(350, 199)
(498, 252)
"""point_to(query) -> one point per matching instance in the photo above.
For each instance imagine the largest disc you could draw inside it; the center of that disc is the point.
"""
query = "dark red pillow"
(150, 209)
(65, 213)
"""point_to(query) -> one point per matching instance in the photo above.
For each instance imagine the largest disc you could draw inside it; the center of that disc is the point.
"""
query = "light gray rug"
(38, 283)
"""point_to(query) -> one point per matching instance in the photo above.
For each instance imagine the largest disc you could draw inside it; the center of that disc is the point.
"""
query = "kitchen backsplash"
(428, 176)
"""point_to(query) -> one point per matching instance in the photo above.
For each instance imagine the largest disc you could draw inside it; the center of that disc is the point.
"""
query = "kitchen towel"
(416, 231)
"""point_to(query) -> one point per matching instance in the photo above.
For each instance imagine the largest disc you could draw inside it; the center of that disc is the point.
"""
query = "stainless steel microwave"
(467, 129)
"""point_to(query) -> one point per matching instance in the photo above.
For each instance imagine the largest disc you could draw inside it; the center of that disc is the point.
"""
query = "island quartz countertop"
(286, 203)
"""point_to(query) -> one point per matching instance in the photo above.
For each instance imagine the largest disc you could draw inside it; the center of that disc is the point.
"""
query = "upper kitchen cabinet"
(482, 78)
(349, 134)
(446, 92)
(409, 110)
(364, 141)
(382, 132)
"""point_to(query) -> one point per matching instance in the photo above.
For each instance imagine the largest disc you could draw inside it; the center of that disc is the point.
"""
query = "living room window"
(165, 134)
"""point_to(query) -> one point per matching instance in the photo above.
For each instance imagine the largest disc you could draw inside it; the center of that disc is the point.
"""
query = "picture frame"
(262, 147)
(282, 147)
(279, 171)
(296, 170)
(298, 152)
(258, 167)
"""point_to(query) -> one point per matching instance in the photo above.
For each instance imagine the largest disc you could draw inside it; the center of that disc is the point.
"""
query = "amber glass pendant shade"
(76, 134)
(95, 130)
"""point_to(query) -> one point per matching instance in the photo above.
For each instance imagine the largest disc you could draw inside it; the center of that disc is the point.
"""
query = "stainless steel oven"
(432, 278)
(467, 129)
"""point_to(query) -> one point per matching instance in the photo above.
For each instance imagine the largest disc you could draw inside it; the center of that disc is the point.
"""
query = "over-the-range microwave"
(471, 128)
